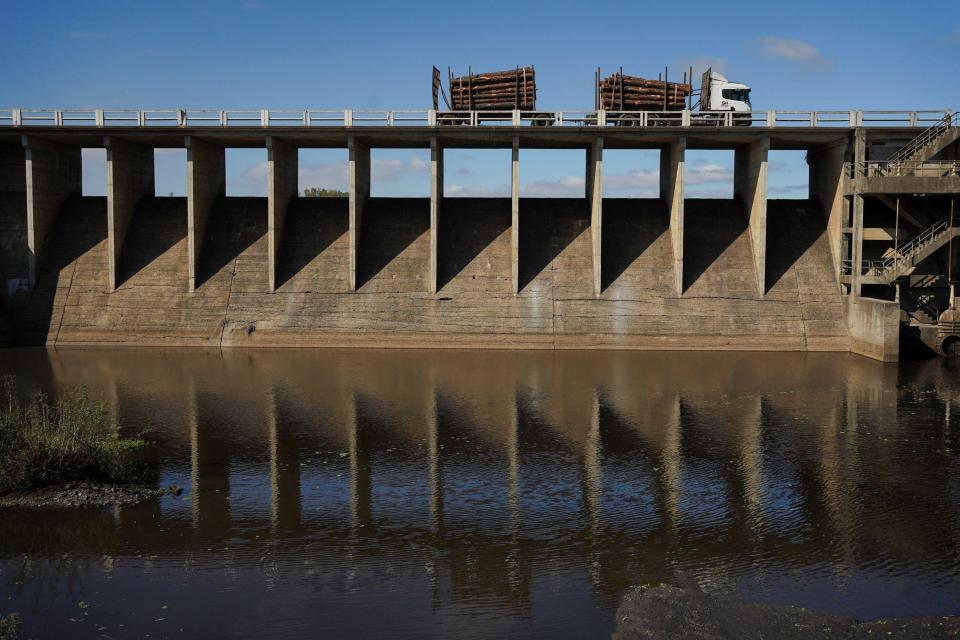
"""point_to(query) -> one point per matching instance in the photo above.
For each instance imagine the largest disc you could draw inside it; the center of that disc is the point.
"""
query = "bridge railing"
(307, 118)
(917, 169)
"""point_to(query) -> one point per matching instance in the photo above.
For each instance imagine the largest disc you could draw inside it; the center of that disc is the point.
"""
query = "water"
(481, 494)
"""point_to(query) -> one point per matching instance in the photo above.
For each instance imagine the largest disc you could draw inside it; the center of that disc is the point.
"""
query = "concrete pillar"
(856, 253)
(671, 192)
(515, 215)
(750, 187)
(130, 179)
(53, 175)
(281, 190)
(856, 222)
(206, 181)
(13, 176)
(826, 180)
(594, 189)
(436, 198)
(359, 177)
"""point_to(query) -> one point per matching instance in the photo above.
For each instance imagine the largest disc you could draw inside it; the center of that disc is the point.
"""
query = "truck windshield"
(742, 95)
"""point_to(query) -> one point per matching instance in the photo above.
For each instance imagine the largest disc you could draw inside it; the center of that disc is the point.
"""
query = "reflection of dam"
(483, 461)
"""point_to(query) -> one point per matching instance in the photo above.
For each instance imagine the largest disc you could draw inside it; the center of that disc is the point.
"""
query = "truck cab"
(719, 94)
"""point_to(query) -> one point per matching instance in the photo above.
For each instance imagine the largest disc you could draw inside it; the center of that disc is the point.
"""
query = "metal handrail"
(941, 168)
(925, 138)
(393, 118)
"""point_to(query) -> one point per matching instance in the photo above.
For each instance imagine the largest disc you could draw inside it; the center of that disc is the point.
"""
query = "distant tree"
(317, 192)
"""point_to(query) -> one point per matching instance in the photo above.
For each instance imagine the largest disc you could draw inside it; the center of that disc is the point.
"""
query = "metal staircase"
(910, 254)
(924, 146)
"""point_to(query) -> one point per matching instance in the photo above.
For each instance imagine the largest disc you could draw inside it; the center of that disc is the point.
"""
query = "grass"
(44, 443)
(9, 627)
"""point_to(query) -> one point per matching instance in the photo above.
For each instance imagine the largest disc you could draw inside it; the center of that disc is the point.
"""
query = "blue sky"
(271, 54)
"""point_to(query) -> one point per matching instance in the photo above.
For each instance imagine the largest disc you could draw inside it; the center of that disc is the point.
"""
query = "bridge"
(832, 272)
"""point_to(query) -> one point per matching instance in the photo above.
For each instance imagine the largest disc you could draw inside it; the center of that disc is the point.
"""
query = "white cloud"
(461, 191)
(790, 49)
(565, 187)
(708, 173)
(644, 182)
(390, 169)
(324, 175)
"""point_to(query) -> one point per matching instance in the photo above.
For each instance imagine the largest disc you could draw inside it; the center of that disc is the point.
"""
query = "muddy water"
(477, 494)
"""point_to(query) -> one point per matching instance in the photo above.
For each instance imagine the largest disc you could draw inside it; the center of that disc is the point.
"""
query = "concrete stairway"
(925, 146)
(912, 253)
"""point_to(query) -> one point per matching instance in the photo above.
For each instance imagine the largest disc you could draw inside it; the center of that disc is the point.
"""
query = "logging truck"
(625, 100)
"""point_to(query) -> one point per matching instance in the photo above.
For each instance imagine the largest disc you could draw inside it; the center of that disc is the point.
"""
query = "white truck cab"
(719, 94)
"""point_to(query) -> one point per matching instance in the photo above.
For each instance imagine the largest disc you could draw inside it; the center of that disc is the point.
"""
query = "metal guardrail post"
(602, 118)
(17, 117)
(224, 119)
(685, 118)
(771, 119)
(813, 118)
(558, 118)
(98, 117)
(348, 117)
(181, 118)
(264, 118)
(432, 118)
(515, 118)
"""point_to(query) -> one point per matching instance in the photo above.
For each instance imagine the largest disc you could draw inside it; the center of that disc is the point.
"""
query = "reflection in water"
(476, 493)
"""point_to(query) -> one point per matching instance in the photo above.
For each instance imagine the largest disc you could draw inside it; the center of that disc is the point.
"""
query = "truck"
(637, 101)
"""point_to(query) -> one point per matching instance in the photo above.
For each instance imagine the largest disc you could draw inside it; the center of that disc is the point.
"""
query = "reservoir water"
(493, 494)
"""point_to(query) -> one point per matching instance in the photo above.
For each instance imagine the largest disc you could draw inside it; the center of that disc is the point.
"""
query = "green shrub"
(10, 627)
(44, 443)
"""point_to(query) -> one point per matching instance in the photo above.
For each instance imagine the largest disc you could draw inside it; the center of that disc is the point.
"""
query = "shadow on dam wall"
(314, 246)
(475, 306)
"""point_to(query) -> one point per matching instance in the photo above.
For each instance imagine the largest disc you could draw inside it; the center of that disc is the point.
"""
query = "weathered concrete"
(594, 193)
(672, 168)
(750, 187)
(206, 182)
(556, 309)
(826, 185)
(13, 217)
(358, 175)
(515, 214)
(874, 328)
(281, 191)
(436, 199)
(944, 185)
(53, 175)
(130, 179)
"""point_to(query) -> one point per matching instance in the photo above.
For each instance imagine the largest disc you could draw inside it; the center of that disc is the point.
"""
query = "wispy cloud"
(798, 51)
(86, 35)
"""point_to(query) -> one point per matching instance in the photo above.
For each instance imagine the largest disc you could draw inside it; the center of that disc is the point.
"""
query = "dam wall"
(720, 307)
(212, 270)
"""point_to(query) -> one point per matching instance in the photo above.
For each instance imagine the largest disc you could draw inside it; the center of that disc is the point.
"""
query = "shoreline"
(84, 494)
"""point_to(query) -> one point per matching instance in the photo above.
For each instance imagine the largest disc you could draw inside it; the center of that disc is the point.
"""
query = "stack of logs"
(630, 93)
(500, 90)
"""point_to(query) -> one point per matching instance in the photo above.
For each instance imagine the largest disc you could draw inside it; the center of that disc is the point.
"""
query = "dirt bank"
(84, 494)
(666, 612)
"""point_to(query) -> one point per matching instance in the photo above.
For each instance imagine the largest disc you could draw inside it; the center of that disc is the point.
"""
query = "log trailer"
(626, 100)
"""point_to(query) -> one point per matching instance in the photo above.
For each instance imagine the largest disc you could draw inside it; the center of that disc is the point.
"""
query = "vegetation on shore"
(9, 627)
(45, 443)
(317, 192)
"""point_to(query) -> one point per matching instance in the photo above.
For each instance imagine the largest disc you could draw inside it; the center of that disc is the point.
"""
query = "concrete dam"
(865, 260)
